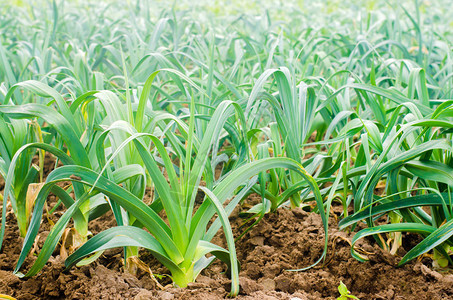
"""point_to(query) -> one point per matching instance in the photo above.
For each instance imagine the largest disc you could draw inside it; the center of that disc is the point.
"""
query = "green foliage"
(171, 117)
(344, 292)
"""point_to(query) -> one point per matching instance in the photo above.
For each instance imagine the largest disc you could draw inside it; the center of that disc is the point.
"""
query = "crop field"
(214, 149)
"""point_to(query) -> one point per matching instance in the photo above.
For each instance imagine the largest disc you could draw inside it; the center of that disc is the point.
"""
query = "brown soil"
(285, 240)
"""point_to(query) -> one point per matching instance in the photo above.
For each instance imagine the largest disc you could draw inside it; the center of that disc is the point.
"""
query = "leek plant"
(416, 176)
(408, 154)
(182, 245)
(294, 108)
(69, 132)
(82, 145)
(14, 134)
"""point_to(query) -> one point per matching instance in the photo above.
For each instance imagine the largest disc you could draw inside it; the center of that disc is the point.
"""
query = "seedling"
(344, 292)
